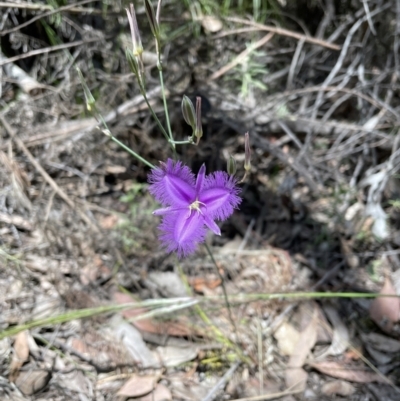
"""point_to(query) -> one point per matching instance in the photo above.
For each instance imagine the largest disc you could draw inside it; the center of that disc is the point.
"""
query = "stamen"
(196, 206)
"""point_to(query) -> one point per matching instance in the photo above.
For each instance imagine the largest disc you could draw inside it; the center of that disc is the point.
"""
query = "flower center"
(196, 206)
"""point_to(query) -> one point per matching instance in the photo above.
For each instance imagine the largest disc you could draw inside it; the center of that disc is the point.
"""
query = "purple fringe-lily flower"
(191, 204)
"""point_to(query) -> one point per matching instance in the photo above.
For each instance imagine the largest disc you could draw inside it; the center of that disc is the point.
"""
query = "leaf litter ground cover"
(320, 100)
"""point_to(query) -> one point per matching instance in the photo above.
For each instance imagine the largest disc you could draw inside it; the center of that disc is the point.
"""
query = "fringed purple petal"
(201, 175)
(220, 195)
(212, 225)
(162, 211)
(172, 184)
(181, 232)
(166, 210)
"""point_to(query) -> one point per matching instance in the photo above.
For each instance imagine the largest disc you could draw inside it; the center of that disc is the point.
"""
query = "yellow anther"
(196, 206)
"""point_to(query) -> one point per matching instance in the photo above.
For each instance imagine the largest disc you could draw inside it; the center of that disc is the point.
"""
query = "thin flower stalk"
(92, 108)
(154, 20)
(135, 60)
(172, 142)
(221, 277)
(156, 119)
(160, 71)
(108, 133)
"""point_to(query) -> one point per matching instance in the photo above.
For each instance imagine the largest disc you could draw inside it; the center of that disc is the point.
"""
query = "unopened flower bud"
(198, 132)
(188, 112)
(151, 16)
(136, 40)
(247, 152)
(135, 58)
(231, 165)
(133, 64)
(89, 99)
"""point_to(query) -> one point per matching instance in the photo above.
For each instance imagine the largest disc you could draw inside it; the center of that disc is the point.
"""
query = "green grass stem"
(172, 304)
(175, 303)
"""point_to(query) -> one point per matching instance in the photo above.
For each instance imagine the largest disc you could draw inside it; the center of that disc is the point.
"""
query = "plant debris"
(93, 309)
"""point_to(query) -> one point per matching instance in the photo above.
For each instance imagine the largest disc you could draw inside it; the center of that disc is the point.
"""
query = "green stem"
(108, 133)
(160, 71)
(165, 103)
(241, 298)
(156, 119)
(52, 320)
(127, 149)
(92, 107)
(228, 306)
(90, 312)
(221, 338)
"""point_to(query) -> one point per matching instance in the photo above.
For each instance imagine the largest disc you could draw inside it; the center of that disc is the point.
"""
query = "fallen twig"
(15, 220)
(285, 32)
(49, 49)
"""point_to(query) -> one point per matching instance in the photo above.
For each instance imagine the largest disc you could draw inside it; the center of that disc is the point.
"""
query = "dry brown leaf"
(250, 386)
(385, 311)
(306, 342)
(122, 298)
(94, 270)
(108, 222)
(381, 342)
(21, 354)
(355, 374)
(352, 259)
(78, 345)
(174, 356)
(324, 333)
(295, 376)
(169, 284)
(32, 381)
(202, 284)
(75, 382)
(137, 386)
(185, 388)
(380, 358)
(338, 387)
(131, 339)
(177, 329)
(161, 393)
(353, 354)
(287, 337)
(341, 337)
